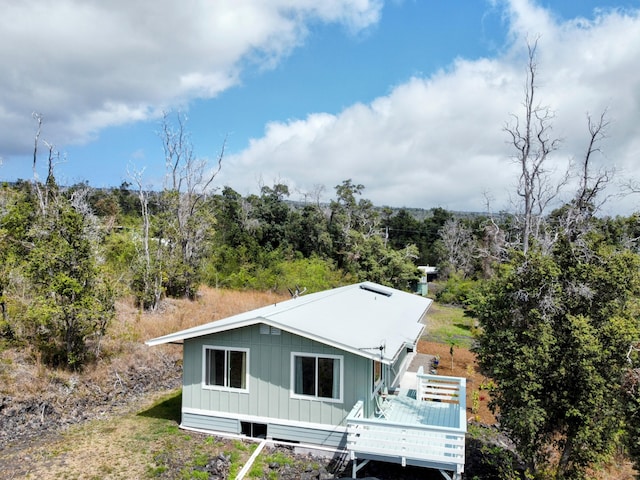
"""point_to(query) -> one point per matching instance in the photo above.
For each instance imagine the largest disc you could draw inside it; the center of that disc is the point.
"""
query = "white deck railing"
(440, 388)
(419, 444)
(405, 442)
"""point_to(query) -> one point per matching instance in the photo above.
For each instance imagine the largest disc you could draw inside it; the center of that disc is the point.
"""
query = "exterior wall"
(269, 395)
(397, 368)
(215, 424)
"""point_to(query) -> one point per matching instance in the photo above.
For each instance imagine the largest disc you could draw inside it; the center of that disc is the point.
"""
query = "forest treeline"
(66, 253)
(66, 250)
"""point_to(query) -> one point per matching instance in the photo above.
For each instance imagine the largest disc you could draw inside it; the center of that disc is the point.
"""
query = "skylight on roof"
(370, 288)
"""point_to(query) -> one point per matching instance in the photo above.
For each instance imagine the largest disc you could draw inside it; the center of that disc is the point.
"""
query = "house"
(427, 274)
(325, 369)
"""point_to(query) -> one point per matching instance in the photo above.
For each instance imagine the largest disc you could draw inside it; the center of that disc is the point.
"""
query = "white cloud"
(89, 64)
(440, 141)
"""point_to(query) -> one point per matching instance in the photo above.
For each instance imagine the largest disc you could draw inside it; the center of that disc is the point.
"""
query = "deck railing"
(440, 388)
(431, 446)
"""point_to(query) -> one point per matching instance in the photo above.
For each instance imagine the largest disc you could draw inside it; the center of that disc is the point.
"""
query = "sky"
(409, 98)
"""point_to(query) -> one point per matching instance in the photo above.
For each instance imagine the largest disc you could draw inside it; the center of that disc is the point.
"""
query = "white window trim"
(316, 398)
(218, 387)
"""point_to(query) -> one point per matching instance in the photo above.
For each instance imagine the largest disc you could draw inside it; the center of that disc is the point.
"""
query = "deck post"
(355, 467)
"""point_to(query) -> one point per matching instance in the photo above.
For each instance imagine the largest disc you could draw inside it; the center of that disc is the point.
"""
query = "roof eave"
(180, 337)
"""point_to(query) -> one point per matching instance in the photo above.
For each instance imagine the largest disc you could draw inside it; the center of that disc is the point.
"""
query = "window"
(225, 368)
(317, 376)
(377, 375)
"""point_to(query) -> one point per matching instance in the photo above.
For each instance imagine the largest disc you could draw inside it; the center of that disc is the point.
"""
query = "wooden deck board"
(407, 410)
(422, 426)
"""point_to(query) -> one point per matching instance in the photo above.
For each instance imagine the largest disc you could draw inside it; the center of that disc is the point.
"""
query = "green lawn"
(449, 324)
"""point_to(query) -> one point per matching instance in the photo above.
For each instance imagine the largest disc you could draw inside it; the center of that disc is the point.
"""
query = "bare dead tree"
(590, 185)
(150, 290)
(187, 185)
(44, 192)
(313, 196)
(531, 138)
(459, 246)
(36, 181)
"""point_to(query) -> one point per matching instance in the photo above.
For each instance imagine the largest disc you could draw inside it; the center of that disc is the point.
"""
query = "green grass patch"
(167, 408)
(449, 324)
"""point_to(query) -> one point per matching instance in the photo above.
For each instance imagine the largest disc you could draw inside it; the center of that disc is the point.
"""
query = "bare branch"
(531, 138)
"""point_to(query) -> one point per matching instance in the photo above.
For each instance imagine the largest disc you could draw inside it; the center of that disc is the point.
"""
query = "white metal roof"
(359, 318)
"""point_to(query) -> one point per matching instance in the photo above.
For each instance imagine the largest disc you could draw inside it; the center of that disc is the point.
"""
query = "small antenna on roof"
(297, 292)
(382, 348)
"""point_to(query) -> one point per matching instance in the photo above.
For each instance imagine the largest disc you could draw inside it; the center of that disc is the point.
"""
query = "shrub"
(457, 290)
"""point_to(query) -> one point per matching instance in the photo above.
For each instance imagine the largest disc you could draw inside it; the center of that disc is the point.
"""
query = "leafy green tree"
(232, 218)
(370, 259)
(631, 390)
(403, 229)
(309, 232)
(431, 253)
(17, 213)
(72, 303)
(128, 202)
(349, 220)
(271, 215)
(556, 328)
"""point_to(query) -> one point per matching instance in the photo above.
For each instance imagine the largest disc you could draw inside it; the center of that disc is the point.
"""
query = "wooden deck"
(425, 426)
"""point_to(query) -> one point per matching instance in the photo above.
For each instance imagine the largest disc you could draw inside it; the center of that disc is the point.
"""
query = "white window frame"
(315, 397)
(226, 378)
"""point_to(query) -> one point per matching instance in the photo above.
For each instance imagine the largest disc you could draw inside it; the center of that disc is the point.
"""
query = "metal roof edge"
(201, 330)
(418, 336)
(261, 316)
(237, 320)
(211, 330)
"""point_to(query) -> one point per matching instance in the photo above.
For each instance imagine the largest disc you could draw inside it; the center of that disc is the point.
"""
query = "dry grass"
(22, 375)
(129, 446)
(174, 315)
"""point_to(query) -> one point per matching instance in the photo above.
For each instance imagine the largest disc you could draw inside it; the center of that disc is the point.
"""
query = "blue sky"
(408, 98)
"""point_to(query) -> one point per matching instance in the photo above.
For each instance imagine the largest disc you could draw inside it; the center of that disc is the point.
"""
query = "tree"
(17, 213)
(50, 242)
(402, 229)
(349, 217)
(530, 137)
(147, 268)
(232, 218)
(185, 223)
(272, 216)
(556, 328)
(432, 254)
(575, 217)
(631, 391)
(309, 232)
(177, 222)
(72, 303)
(459, 246)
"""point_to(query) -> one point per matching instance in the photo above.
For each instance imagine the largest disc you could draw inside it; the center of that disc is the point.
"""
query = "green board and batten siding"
(269, 396)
